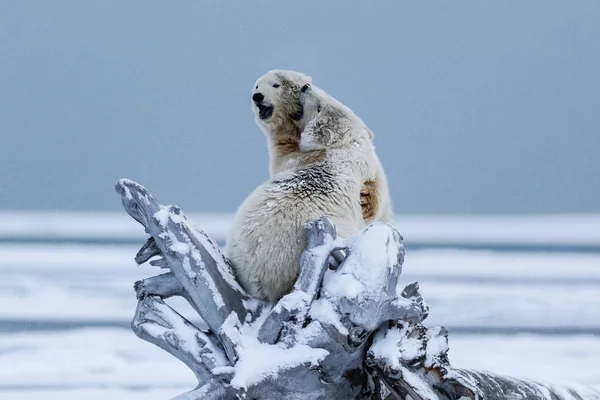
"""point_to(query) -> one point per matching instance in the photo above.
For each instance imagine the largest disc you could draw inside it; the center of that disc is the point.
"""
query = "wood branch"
(164, 286)
(159, 324)
(412, 360)
(347, 329)
(192, 257)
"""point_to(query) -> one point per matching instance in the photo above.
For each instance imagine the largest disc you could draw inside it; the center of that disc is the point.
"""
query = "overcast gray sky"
(477, 107)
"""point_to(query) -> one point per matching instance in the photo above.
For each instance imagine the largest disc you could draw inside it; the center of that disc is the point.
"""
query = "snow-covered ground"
(113, 363)
(75, 283)
(64, 308)
(576, 229)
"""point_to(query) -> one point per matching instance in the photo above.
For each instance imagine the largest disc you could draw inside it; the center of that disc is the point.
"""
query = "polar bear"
(321, 157)
(328, 124)
(279, 113)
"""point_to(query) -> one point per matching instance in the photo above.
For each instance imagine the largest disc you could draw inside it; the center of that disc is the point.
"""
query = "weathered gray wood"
(345, 331)
(159, 324)
(197, 264)
(412, 360)
(165, 286)
(379, 300)
(491, 386)
(148, 250)
(160, 263)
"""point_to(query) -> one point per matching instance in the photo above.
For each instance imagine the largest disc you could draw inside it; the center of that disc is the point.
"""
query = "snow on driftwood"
(347, 329)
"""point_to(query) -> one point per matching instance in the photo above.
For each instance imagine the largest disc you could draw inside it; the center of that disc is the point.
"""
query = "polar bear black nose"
(258, 97)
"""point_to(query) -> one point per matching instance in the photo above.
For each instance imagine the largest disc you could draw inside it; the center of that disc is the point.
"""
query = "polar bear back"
(267, 237)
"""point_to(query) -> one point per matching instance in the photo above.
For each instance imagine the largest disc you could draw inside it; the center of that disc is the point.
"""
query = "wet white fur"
(266, 238)
(329, 124)
(282, 98)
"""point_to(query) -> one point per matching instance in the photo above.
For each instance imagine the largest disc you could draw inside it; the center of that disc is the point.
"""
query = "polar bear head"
(326, 123)
(276, 100)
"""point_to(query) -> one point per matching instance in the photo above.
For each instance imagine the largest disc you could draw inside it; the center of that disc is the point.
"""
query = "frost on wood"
(348, 329)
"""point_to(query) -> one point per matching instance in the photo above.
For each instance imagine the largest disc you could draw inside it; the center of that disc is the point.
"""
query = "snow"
(323, 311)
(72, 282)
(175, 244)
(223, 370)
(436, 345)
(226, 272)
(190, 340)
(186, 249)
(88, 358)
(385, 346)
(296, 300)
(505, 267)
(123, 183)
(116, 361)
(185, 263)
(365, 272)
(522, 229)
(471, 292)
(580, 229)
(379, 250)
(206, 277)
(162, 216)
(93, 393)
(555, 359)
(566, 392)
(418, 384)
(342, 285)
(307, 334)
(259, 360)
(101, 226)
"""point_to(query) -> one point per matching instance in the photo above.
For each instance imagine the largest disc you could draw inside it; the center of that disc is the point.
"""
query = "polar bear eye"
(276, 85)
(305, 88)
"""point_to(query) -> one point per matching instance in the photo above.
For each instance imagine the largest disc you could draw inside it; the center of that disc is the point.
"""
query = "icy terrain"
(65, 308)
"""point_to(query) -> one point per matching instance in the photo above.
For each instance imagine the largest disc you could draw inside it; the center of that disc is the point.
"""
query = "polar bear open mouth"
(264, 112)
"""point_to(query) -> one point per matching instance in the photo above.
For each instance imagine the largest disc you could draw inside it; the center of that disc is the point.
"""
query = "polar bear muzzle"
(264, 112)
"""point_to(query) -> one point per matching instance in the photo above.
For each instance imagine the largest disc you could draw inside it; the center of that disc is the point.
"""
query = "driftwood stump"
(347, 330)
